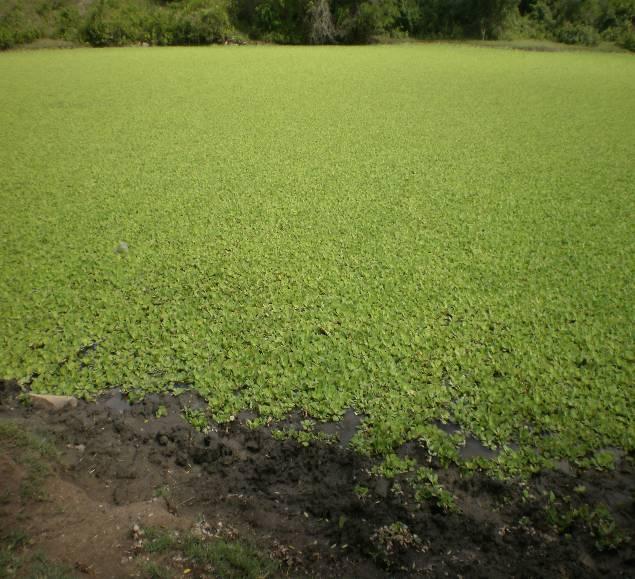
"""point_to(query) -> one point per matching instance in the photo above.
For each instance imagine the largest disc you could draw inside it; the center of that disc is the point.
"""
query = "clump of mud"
(299, 503)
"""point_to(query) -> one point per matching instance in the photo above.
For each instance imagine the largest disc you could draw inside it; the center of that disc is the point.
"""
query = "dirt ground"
(79, 504)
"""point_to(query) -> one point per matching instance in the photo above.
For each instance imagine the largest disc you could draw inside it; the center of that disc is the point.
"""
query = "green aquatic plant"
(420, 232)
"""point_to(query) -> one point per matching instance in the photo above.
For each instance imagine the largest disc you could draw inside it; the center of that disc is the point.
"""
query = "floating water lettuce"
(420, 232)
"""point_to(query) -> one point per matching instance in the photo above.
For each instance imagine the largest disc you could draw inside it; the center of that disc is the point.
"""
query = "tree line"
(184, 22)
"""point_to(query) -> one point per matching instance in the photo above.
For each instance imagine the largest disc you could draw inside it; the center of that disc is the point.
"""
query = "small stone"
(122, 247)
(587, 561)
(52, 402)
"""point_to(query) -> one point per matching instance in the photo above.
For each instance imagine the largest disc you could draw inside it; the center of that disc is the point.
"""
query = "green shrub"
(160, 27)
(371, 19)
(116, 22)
(17, 28)
(7, 39)
(69, 24)
(522, 27)
(627, 39)
(202, 22)
(267, 15)
(571, 33)
(113, 23)
(283, 21)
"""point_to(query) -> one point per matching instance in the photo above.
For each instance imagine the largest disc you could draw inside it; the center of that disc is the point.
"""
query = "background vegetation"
(169, 22)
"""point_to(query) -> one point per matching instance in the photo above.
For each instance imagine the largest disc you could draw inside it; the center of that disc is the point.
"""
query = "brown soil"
(119, 466)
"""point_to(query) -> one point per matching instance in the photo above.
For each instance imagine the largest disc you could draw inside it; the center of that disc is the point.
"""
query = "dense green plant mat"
(417, 232)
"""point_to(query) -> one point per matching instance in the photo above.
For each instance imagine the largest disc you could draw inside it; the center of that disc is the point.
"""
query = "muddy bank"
(299, 503)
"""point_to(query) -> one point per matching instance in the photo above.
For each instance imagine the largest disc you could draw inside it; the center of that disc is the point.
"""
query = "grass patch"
(229, 559)
(158, 540)
(33, 453)
(16, 561)
(421, 232)
(14, 437)
(42, 568)
(155, 571)
(208, 555)
(10, 548)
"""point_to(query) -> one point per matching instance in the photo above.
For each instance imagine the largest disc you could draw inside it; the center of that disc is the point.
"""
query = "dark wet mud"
(302, 499)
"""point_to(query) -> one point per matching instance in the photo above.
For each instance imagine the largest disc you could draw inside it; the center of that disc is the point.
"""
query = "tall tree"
(321, 30)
